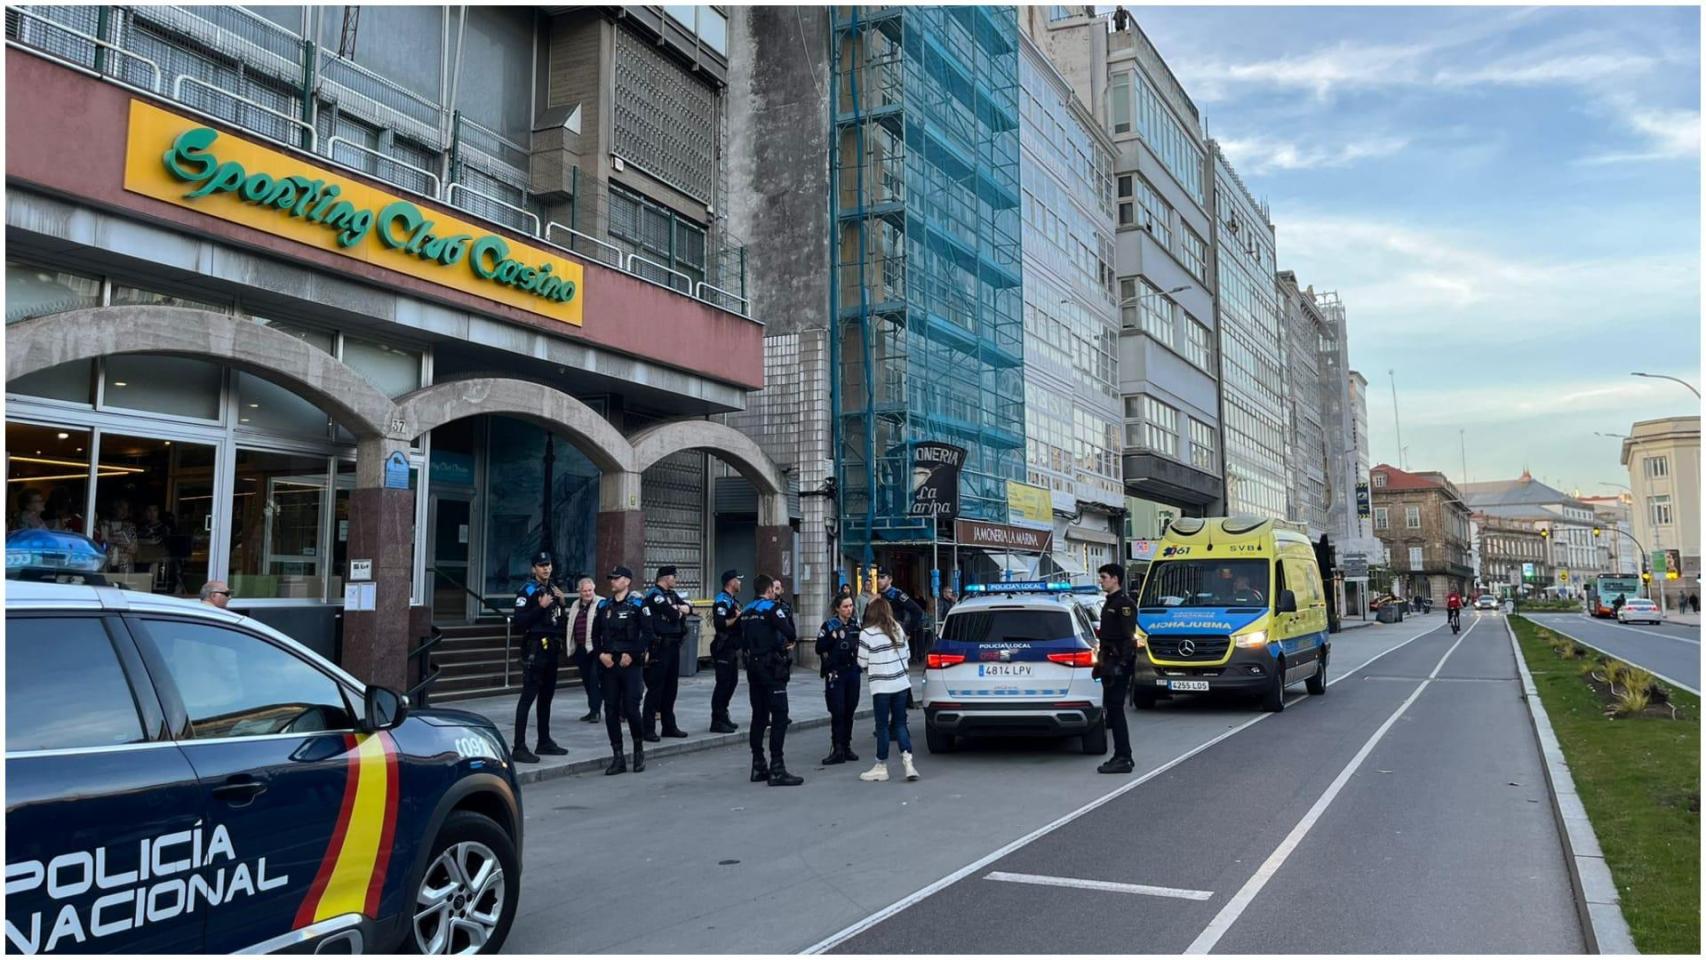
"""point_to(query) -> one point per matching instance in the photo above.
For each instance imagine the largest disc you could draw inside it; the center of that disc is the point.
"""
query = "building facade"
(1309, 459)
(1338, 418)
(1249, 321)
(1568, 522)
(1422, 520)
(1511, 556)
(1615, 549)
(1663, 459)
(497, 314)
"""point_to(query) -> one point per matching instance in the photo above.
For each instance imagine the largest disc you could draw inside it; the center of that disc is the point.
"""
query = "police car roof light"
(1020, 586)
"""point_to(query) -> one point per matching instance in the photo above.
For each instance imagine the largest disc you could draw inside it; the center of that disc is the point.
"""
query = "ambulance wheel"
(1317, 685)
(465, 900)
(938, 741)
(1273, 700)
(1143, 700)
(1096, 741)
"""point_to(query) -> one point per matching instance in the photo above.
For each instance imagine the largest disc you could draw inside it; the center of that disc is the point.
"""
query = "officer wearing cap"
(621, 635)
(906, 610)
(539, 608)
(725, 651)
(767, 627)
(668, 613)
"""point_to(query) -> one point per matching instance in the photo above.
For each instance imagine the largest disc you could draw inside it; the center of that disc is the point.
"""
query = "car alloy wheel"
(460, 900)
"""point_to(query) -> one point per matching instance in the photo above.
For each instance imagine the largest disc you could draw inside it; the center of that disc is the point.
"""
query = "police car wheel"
(1095, 742)
(939, 741)
(464, 902)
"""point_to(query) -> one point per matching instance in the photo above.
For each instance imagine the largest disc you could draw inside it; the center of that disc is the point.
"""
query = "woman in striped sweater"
(883, 657)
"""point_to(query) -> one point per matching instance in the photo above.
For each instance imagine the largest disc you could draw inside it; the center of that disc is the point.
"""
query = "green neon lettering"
(359, 225)
(567, 292)
(311, 194)
(256, 187)
(499, 251)
(402, 212)
(325, 204)
(228, 177)
(188, 159)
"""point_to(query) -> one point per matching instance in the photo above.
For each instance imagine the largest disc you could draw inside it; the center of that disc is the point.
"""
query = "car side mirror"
(1287, 602)
(382, 709)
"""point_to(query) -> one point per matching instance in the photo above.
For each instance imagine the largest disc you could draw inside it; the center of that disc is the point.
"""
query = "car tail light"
(1077, 658)
(1074, 705)
(936, 661)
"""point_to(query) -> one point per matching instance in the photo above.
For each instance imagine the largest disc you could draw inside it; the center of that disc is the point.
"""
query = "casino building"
(354, 308)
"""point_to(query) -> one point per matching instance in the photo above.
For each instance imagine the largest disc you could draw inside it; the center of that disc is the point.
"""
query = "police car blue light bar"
(1021, 586)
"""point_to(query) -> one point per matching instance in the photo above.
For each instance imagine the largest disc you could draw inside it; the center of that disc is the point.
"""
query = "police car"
(182, 779)
(1014, 659)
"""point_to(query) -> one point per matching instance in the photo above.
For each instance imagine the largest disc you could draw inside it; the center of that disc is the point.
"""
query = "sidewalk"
(1691, 619)
(589, 743)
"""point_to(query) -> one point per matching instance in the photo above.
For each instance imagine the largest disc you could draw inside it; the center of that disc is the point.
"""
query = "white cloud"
(1669, 134)
(1264, 154)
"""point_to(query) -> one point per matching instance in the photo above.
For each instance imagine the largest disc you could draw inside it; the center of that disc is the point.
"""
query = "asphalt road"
(690, 857)
(1404, 812)
(1670, 651)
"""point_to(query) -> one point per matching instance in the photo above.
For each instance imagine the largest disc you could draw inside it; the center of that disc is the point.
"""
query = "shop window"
(47, 478)
(179, 386)
(154, 512)
(323, 340)
(71, 382)
(140, 297)
(264, 405)
(37, 292)
(276, 527)
(393, 370)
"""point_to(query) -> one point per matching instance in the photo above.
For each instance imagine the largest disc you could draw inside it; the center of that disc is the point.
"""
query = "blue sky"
(1507, 199)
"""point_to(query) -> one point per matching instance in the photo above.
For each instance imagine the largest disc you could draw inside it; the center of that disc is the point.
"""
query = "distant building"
(1615, 551)
(1568, 521)
(1422, 520)
(1663, 457)
(1511, 555)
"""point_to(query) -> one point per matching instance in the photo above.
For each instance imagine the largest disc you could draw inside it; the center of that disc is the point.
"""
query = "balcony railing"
(233, 66)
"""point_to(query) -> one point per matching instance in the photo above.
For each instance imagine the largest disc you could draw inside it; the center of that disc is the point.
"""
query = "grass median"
(1639, 778)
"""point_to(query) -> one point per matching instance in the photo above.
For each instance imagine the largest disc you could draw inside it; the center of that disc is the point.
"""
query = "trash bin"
(690, 647)
(1388, 613)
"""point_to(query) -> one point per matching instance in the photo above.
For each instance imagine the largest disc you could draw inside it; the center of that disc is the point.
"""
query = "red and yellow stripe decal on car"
(352, 874)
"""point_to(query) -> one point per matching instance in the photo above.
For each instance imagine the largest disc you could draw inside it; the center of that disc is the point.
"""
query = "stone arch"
(317, 376)
(727, 444)
(437, 405)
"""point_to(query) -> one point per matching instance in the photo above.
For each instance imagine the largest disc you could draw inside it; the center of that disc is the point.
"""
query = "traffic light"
(1596, 531)
(1646, 576)
(1563, 576)
(1546, 532)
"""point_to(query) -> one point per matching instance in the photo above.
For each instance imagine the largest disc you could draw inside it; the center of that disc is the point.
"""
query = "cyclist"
(1453, 604)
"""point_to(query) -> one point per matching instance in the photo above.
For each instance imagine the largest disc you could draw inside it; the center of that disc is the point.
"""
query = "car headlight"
(1252, 640)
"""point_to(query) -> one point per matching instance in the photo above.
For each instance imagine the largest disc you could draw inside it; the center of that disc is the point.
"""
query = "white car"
(1486, 602)
(1014, 659)
(1639, 610)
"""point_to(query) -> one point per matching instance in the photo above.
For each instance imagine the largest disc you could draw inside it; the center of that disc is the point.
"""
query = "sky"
(1507, 200)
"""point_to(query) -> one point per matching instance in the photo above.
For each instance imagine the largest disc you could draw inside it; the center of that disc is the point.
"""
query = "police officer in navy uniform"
(668, 613)
(725, 651)
(539, 606)
(907, 611)
(1116, 659)
(838, 658)
(767, 627)
(621, 635)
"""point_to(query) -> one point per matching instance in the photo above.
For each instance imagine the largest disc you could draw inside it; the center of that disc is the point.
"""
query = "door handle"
(240, 790)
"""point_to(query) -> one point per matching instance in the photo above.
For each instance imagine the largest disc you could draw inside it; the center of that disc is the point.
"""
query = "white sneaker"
(906, 762)
(876, 774)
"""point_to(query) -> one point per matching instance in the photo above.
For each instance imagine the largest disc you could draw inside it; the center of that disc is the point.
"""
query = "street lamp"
(1661, 376)
(1148, 296)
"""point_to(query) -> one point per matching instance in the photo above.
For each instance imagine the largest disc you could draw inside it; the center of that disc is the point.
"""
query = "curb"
(668, 749)
(1597, 901)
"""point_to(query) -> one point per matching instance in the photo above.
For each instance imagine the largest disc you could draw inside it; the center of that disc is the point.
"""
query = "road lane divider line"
(1139, 889)
(1246, 894)
(1622, 657)
(923, 893)
(1654, 633)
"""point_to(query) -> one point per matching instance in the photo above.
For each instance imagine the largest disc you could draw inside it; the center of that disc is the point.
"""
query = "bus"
(1606, 588)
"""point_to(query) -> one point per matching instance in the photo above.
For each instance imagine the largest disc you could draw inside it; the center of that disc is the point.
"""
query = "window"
(1128, 303)
(1203, 444)
(1193, 252)
(38, 291)
(393, 370)
(1157, 313)
(64, 686)
(179, 386)
(1379, 479)
(1413, 517)
(276, 526)
(237, 685)
(1199, 345)
(1659, 509)
(1119, 103)
(1128, 206)
(47, 477)
(1160, 427)
(1157, 216)
(1380, 518)
(656, 233)
(1416, 558)
(1657, 466)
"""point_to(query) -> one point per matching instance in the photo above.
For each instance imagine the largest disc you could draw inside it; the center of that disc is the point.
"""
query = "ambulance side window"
(237, 685)
(65, 688)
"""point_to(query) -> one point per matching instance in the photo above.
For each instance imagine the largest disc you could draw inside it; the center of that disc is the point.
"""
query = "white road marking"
(1136, 888)
(1625, 659)
(1653, 633)
(1241, 900)
(834, 940)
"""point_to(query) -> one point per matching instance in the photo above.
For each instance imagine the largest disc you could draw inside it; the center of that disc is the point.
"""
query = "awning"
(1021, 565)
(1069, 564)
(1084, 534)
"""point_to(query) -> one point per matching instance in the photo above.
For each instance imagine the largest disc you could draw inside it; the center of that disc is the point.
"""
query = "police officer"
(767, 627)
(621, 635)
(907, 611)
(668, 613)
(1116, 658)
(838, 657)
(725, 651)
(539, 606)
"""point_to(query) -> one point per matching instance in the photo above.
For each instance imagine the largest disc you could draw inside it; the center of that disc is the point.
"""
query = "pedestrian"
(668, 613)
(838, 658)
(580, 616)
(621, 635)
(539, 606)
(767, 629)
(215, 593)
(725, 651)
(1115, 662)
(1694, 602)
(883, 655)
(944, 603)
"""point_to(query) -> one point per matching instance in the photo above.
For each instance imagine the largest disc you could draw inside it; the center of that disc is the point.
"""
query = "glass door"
(449, 524)
(154, 511)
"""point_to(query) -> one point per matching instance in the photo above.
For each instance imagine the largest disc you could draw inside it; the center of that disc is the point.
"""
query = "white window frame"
(1657, 466)
(1382, 520)
(1412, 518)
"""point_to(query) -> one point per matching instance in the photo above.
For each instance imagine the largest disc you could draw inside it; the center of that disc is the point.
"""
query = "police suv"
(1014, 659)
(182, 779)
